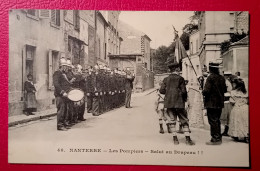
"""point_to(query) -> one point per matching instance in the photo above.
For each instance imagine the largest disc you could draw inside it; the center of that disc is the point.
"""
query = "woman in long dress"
(30, 98)
(239, 121)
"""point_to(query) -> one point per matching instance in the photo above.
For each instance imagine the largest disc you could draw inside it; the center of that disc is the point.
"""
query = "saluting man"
(81, 85)
(61, 85)
(128, 87)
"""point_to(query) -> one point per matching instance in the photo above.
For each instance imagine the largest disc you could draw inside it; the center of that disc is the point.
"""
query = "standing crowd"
(103, 90)
(225, 99)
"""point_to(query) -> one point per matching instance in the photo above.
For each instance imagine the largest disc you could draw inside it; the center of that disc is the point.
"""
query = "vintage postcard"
(129, 87)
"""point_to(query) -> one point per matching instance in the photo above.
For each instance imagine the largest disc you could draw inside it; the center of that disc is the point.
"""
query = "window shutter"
(53, 16)
(44, 13)
(50, 70)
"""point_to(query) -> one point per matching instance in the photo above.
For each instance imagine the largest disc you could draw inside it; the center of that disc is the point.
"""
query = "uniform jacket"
(129, 83)
(112, 83)
(175, 92)
(214, 90)
(97, 82)
(61, 83)
(90, 83)
(80, 81)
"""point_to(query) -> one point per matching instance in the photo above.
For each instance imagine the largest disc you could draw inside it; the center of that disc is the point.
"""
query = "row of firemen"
(104, 89)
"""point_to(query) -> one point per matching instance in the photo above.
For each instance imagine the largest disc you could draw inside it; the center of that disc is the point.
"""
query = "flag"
(180, 51)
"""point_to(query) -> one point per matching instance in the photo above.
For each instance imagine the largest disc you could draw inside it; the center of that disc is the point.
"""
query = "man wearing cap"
(116, 96)
(112, 89)
(89, 88)
(213, 93)
(80, 83)
(102, 89)
(175, 92)
(128, 87)
(97, 92)
(72, 110)
(107, 88)
(61, 85)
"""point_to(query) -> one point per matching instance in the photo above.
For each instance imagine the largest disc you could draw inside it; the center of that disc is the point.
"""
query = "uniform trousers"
(81, 111)
(95, 106)
(61, 104)
(89, 103)
(128, 97)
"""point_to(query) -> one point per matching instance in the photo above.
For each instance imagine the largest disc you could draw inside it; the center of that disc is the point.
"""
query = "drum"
(77, 96)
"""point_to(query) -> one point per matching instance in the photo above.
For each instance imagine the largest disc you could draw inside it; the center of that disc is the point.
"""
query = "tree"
(159, 60)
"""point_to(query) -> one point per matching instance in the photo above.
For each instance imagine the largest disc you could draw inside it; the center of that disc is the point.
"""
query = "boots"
(225, 133)
(161, 129)
(189, 141)
(175, 140)
(169, 128)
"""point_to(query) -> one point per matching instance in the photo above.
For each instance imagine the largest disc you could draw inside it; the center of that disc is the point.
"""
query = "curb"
(34, 118)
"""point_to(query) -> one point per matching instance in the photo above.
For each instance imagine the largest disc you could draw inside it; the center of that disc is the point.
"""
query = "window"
(32, 12)
(55, 17)
(53, 59)
(76, 19)
(29, 62)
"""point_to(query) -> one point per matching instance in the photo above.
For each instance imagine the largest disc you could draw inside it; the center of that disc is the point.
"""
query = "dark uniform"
(97, 92)
(128, 87)
(61, 85)
(89, 90)
(102, 92)
(106, 90)
(81, 84)
(112, 89)
(72, 110)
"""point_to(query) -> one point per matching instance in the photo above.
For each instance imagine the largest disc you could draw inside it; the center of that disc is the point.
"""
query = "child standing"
(162, 112)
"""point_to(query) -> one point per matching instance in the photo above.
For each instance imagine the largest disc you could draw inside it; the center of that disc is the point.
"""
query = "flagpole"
(175, 38)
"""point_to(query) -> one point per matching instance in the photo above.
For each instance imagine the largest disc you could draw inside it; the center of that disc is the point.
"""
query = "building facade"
(215, 27)
(37, 40)
(193, 62)
(134, 54)
(108, 40)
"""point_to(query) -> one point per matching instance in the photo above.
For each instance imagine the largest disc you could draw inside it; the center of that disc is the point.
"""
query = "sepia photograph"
(129, 87)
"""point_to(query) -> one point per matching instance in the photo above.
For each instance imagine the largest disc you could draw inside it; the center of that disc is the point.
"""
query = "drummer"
(81, 86)
(72, 114)
(61, 85)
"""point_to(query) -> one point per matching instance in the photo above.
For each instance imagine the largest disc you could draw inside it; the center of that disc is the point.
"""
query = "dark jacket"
(214, 90)
(175, 92)
(90, 83)
(129, 83)
(29, 87)
(61, 83)
(97, 84)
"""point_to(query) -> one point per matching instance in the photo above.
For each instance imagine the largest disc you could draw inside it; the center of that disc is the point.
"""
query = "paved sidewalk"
(20, 119)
